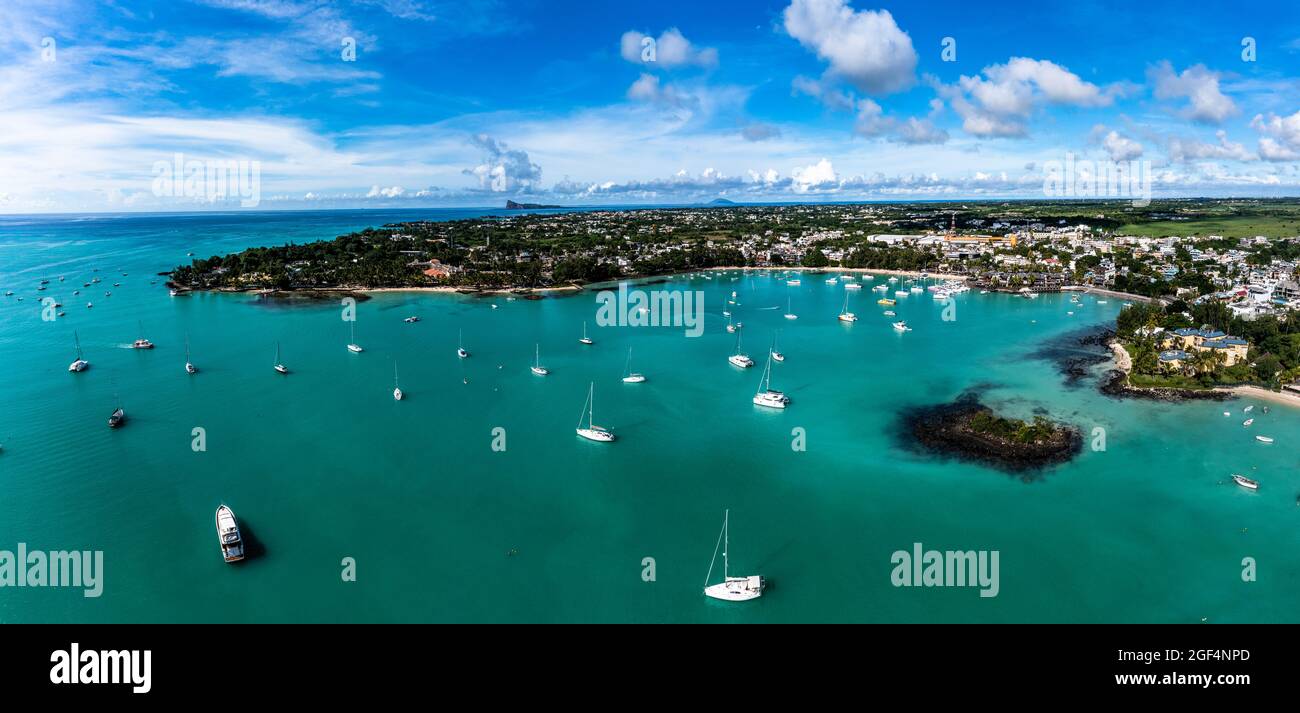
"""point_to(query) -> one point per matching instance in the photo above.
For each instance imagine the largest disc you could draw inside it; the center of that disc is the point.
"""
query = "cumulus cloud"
(829, 96)
(872, 122)
(999, 101)
(1189, 149)
(377, 192)
(669, 51)
(503, 169)
(864, 47)
(1282, 136)
(647, 88)
(1200, 86)
(1119, 147)
(818, 176)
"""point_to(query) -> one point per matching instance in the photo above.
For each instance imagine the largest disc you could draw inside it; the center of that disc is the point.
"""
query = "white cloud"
(830, 97)
(864, 47)
(1121, 148)
(377, 192)
(1282, 136)
(504, 170)
(1190, 149)
(669, 51)
(647, 88)
(1200, 86)
(760, 132)
(820, 175)
(1000, 102)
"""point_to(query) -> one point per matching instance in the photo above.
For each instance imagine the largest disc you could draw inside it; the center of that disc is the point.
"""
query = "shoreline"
(1111, 293)
(1278, 397)
(1123, 361)
(833, 269)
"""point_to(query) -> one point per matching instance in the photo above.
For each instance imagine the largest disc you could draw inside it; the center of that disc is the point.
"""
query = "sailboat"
(776, 354)
(592, 432)
(740, 359)
(789, 313)
(731, 328)
(845, 314)
(118, 416)
(397, 390)
(232, 545)
(631, 377)
(353, 346)
(460, 345)
(731, 589)
(766, 396)
(142, 343)
(585, 339)
(189, 366)
(537, 367)
(278, 366)
(80, 364)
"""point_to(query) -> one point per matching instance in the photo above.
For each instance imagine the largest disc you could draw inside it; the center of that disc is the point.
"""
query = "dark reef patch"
(1076, 353)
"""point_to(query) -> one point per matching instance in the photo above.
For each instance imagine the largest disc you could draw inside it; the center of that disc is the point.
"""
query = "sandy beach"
(839, 270)
(1288, 398)
(1109, 293)
(1123, 361)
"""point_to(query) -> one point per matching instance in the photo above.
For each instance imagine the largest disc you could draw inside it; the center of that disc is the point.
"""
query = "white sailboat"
(766, 395)
(353, 346)
(397, 389)
(460, 345)
(845, 314)
(789, 313)
(901, 326)
(585, 339)
(189, 365)
(80, 364)
(592, 432)
(277, 365)
(776, 353)
(731, 589)
(740, 359)
(537, 367)
(629, 376)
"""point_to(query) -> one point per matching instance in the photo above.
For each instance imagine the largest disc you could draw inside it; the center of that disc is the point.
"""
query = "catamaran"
(845, 314)
(537, 367)
(592, 432)
(766, 395)
(730, 589)
(460, 345)
(232, 546)
(629, 376)
(189, 366)
(142, 343)
(585, 339)
(397, 389)
(277, 365)
(1245, 482)
(353, 346)
(789, 313)
(740, 359)
(80, 364)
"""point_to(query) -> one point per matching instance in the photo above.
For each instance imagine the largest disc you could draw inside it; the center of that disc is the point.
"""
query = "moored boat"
(232, 544)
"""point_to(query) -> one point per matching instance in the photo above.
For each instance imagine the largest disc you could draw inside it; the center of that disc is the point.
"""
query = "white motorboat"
(411, 320)
(901, 326)
(232, 545)
(1248, 409)
(730, 589)
(1263, 439)
(591, 431)
(1247, 422)
(852, 286)
(1245, 482)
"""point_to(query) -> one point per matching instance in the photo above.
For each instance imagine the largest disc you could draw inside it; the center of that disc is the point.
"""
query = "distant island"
(721, 202)
(511, 205)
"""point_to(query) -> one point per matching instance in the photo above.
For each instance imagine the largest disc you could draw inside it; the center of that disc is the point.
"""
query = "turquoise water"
(323, 464)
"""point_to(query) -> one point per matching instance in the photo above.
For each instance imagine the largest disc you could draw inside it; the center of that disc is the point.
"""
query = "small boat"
(776, 354)
(189, 366)
(1265, 409)
(901, 293)
(592, 432)
(232, 546)
(353, 346)
(831, 281)
(731, 328)
(142, 343)
(845, 314)
(1245, 482)
(171, 293)
(1227, 413)
(585, 339)
(890, 313)
(80, 364)
(277, 365)
(730, 589)
(89, 305)
(460, 346)
(629, 376)
(117, 418)
(766, 395)
(9, 293)
(1263, 439)
(1248, 409)
(789, 313)
(1247, 422)
(397, 390)
(886, 301)
(1101, 302)
(537, 367)
(793, 283)
(411, 320)
(901, 326)
(852, 286)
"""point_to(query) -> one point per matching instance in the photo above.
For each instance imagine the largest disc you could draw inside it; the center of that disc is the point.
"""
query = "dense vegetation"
(1040, 430)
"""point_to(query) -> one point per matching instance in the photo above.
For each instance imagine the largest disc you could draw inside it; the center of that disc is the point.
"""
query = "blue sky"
(478, 101)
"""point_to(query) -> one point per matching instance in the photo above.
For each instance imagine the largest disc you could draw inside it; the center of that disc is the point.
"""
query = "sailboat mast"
(591, 396)
(726, 544)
